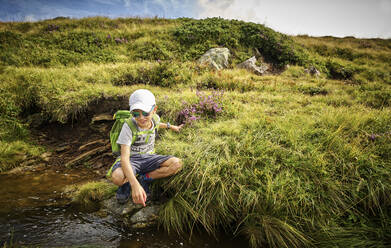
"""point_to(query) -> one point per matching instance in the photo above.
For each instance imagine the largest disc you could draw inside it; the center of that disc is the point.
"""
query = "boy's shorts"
(143, 163)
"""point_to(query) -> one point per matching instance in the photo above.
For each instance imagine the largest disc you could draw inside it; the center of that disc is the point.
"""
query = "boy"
(138, 158)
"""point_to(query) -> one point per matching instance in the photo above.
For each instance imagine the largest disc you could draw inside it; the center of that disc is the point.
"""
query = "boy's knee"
(118, 177)
(176, 165)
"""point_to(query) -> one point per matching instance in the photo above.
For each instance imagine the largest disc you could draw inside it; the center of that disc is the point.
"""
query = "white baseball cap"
(142, 99)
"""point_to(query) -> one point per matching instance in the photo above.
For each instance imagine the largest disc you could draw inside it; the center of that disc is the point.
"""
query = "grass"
(91, 192)
(290, 161)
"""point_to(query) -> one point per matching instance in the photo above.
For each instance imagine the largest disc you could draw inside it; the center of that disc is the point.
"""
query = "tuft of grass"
(93, 192)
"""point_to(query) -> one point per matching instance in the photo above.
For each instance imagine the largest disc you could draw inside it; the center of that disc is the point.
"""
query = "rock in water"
(133, 215)
(145, 217)
(216, 58)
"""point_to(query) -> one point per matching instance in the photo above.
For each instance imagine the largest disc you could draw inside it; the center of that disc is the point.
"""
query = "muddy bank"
(82, 141)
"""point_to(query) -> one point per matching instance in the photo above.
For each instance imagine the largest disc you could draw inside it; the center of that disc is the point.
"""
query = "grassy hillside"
(287, 160)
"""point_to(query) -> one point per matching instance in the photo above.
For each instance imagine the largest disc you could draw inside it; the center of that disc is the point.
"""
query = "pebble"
(34, 197)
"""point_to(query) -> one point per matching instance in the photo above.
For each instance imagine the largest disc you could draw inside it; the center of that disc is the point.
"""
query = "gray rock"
(251, 66)
(312, 71)
(128, 209)
(145, 217)
(217, 58)
(133, 215)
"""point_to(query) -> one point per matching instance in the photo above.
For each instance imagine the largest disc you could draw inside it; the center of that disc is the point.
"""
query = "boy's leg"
(118, 177)
(160, 166)
(150, 167)
(169, 167)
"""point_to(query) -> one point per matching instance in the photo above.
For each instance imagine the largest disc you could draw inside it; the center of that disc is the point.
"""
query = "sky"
(339, 18)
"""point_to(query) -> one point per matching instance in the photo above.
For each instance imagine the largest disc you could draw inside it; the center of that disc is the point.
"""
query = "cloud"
(231, 9)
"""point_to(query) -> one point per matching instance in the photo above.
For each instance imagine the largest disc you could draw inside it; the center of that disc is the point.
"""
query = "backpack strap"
(155, 120)
(135, 131)
(133, 127)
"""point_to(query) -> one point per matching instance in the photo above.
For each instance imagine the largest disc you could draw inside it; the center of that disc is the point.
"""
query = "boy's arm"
(172, 127)
(138, 193)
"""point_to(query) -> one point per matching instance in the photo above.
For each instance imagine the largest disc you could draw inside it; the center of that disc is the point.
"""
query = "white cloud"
(250, 10)
(360, 18)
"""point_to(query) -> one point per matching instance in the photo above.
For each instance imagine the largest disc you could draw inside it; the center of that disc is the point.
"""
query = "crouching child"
(137, 140)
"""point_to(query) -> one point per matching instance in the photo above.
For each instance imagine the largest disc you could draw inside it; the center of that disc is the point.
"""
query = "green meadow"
(286, 160)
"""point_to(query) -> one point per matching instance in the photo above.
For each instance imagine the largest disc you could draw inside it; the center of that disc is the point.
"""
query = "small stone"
(101, 117)
(62, 149)
(46, 156)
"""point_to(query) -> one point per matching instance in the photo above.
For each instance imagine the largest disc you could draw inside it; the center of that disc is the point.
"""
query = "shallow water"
(34, 211)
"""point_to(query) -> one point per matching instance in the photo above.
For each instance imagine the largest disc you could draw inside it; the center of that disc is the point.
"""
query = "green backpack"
(122, 116)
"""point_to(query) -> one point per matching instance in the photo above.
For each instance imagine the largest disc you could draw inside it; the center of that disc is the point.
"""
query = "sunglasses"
(137, 114)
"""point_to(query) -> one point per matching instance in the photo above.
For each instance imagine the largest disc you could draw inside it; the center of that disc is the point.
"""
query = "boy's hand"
(177, 128)
(138, 195)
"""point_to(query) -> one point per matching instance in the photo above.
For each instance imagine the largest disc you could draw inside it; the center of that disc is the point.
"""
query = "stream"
(35, 213)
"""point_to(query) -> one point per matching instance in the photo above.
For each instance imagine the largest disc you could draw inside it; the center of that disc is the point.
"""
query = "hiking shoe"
(123, 193)
(145, 182)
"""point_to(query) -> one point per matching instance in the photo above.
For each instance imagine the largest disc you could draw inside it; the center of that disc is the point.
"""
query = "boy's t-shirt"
(139, 145)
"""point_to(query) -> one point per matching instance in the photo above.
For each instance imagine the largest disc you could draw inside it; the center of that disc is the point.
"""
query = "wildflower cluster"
(374, 136)
(117, 40)
(51, 28)
(208, 106)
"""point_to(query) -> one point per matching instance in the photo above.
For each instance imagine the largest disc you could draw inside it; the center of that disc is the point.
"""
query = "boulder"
(312, 71)
(251, 66)
(217, 58)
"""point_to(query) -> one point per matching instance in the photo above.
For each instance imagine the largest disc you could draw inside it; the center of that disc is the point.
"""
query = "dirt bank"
(83, 140)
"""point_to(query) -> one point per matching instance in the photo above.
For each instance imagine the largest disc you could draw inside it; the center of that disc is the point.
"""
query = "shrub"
(274, 46)
(165, 74)
(151, 50)
(345, 53)
(313, 90)
(339, 71)
(375, 95)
